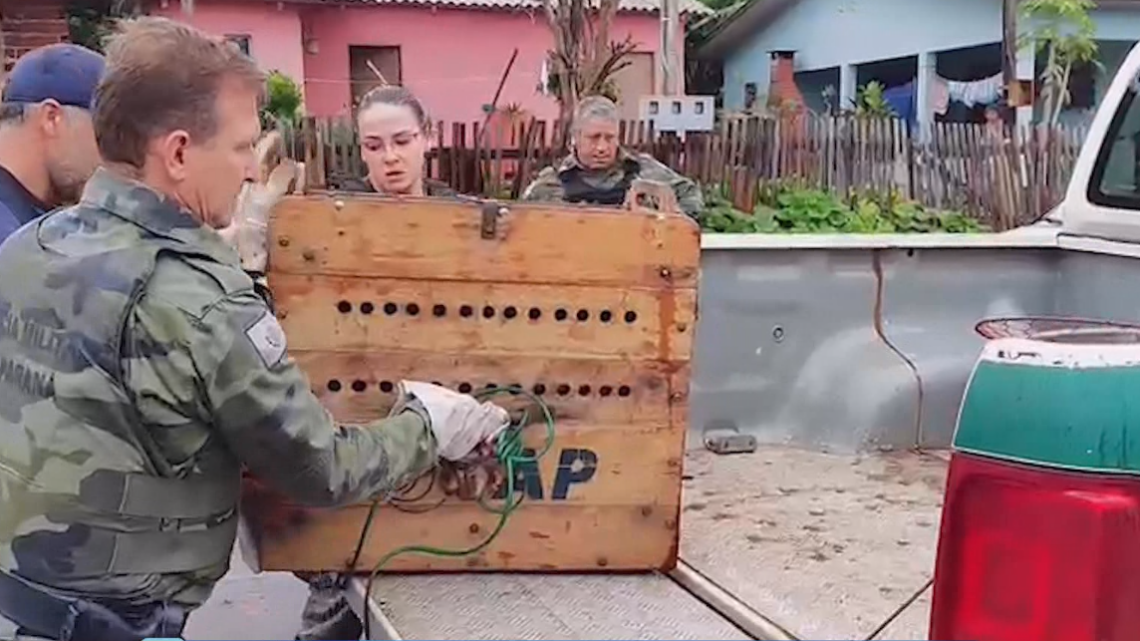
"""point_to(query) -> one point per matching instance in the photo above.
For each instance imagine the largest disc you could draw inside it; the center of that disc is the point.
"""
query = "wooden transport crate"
(593, 308)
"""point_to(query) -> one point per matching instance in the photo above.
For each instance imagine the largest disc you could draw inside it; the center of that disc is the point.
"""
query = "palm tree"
(584, 60)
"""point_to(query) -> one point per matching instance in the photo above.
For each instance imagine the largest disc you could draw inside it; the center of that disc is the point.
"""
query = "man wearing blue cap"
(47, 141)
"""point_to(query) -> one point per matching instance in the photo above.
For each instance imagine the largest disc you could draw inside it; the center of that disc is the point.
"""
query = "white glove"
(460, 423)
(248, 233)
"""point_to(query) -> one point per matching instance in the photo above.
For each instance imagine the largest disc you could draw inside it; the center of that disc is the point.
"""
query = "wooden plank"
(593, 309)
(358, 386)
(389, 238)
(544, 537)
(588, 464)
(334, 313)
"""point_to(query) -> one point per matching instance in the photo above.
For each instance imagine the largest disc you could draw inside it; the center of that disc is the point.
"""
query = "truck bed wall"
(847, 348)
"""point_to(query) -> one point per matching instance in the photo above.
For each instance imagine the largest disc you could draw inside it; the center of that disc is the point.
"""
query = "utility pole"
(672, 76)
(1009, 56)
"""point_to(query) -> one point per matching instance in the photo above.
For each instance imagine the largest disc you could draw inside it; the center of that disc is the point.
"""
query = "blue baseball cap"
(63, 72)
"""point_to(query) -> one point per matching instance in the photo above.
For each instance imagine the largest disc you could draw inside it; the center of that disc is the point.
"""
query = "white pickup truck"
(846, 357)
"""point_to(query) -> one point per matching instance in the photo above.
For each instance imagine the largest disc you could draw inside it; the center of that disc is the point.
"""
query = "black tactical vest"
(575, 189)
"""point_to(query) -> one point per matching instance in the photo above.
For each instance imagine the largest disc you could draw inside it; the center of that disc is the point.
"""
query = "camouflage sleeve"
(688, 193)
(546, 187)
(227, 369)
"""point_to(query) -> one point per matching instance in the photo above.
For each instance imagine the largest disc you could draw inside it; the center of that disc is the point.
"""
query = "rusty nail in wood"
(682, 327)
(283, 241)
(283, 313)
(670, 524)
(666, 272)
(603, 561)
(474, 528)
(308, 254)
(646, 510)
(676, 397)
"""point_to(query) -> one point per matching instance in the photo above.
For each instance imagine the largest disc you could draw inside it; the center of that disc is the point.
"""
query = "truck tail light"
(1033, 554)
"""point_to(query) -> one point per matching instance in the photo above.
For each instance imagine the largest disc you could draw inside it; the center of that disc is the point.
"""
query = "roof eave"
(757, 17)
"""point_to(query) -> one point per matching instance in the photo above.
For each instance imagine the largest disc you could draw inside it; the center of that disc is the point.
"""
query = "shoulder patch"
(268, 339)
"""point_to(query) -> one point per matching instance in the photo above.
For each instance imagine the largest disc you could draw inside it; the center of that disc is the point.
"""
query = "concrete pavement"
(250, 607)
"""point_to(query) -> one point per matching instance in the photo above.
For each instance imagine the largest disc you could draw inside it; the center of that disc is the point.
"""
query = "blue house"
(940, 60)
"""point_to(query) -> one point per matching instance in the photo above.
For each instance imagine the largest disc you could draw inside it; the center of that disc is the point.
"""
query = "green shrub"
(791, 209)
(283, 100)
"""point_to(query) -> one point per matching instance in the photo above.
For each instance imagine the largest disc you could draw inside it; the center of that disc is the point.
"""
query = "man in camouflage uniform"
(140, 369)
(598, 171)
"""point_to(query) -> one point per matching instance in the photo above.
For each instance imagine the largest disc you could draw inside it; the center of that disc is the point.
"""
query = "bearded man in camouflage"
(598, 171)
(140, 369)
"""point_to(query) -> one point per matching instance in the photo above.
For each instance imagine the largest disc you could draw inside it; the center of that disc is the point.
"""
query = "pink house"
(451, 53)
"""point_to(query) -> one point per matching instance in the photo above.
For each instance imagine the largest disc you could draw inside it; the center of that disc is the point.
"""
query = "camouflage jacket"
(549, 185)
(138, 371)
(432, 188)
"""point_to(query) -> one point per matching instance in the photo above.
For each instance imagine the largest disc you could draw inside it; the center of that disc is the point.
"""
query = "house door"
(633, 82)
(365, 62)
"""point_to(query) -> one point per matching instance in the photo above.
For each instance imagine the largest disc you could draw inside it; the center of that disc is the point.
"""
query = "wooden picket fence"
(1003, 178)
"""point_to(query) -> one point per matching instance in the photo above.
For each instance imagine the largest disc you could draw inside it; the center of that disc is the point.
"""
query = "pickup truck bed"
(825, 546)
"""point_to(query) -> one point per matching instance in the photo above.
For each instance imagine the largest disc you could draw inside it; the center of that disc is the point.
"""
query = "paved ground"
(248, 606)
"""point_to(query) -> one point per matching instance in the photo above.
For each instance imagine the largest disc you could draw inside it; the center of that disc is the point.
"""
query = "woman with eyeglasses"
(394, 131)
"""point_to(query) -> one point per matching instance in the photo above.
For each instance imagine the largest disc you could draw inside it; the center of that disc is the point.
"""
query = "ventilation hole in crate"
(631, 317)
(412, 309)
(515, 388)
(488, 312)
(333, 385)
(359, 386)
(624, 391)
(439, 311)
(344, 307)
(387, 387)
(606, 316)
(583, 315)
(367, 308)
(510, 312)
(583, 390)
(605, 390)
(466, 311)
(437, 383)
(391, 308)
(534, 313)
(490, 386)
(563, 390)
(539, 389)
(465, 388)
(560, 315)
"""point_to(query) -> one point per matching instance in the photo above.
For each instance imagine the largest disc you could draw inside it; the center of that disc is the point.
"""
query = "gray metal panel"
(786, 350)
(1099, 286)
(522, 606)
(932, 300)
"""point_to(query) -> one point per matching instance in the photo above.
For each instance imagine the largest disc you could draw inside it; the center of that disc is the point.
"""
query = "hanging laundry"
(976, 92)
(939, 96)
(901, 100)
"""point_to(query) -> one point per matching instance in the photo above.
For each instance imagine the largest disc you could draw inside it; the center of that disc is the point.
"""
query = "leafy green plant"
(794, 209)
(871, 102)
(283, 100)
(91, 22)
(1064, 31)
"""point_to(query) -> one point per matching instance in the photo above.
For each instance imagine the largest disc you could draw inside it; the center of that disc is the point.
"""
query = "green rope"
(510, 453)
